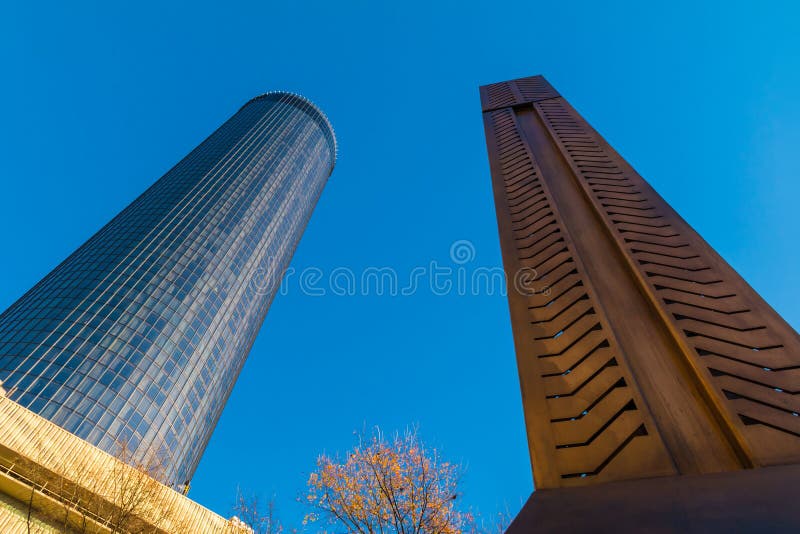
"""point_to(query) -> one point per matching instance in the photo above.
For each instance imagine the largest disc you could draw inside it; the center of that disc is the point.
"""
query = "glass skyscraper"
(137, 338)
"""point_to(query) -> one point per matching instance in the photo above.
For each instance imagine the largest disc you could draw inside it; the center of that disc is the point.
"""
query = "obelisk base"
(754, 500)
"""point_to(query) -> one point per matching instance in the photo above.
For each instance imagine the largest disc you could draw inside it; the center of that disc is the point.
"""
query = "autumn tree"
(388, 485)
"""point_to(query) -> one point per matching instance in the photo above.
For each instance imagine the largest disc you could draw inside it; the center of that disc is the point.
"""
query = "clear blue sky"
(98, 100)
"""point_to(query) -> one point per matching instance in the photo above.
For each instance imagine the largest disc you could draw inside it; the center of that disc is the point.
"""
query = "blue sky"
(100, 99)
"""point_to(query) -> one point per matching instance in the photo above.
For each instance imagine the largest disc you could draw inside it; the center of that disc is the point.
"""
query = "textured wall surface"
(14, 519)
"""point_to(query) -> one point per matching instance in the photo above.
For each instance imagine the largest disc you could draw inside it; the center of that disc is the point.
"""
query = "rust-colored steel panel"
(641, 352)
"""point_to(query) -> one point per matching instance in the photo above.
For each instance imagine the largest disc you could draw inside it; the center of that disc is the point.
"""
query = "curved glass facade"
(137, 338)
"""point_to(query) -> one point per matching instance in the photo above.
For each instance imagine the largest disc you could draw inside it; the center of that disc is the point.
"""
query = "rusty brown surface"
(641, 352)
(745, 501)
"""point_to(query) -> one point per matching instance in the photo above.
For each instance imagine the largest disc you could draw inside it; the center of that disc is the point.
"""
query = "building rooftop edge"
(313, 107)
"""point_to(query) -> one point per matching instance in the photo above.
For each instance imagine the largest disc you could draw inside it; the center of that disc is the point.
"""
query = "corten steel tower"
(139, 335)
(659, 389)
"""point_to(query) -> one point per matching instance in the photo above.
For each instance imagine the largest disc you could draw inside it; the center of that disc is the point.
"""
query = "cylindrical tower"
(137, 338)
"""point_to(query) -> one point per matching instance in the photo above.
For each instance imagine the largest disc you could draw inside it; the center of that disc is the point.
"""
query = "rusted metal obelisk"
(659, 389)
